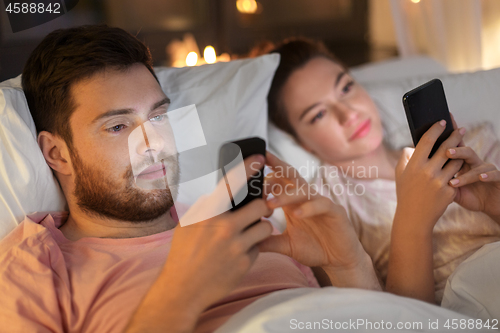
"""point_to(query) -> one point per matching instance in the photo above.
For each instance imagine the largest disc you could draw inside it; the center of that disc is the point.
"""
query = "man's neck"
(380, 163)
(80, 225)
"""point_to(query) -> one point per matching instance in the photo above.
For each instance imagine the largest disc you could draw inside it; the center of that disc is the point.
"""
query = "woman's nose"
(345, 114)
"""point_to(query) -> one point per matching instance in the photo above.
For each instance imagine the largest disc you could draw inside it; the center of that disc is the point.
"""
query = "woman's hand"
(422, 183)
(477, 183)
(318, 233)
(423, 196)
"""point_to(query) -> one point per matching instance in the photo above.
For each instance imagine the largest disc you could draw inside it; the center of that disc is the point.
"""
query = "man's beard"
(99, 195)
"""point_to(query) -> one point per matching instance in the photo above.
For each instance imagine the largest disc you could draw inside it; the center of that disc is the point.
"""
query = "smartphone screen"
(232, 153)
(424, 106)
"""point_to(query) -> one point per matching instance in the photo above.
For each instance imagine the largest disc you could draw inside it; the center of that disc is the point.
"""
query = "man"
(118, 261)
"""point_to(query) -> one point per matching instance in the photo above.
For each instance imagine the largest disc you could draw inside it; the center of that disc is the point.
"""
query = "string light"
(209, 55)
(246, 6)
(192, 58)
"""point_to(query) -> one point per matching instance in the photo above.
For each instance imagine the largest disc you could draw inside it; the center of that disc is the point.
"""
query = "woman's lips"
(362, 130)
(152, 172)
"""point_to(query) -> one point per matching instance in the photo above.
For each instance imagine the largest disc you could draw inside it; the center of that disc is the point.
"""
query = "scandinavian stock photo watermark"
(322, 179)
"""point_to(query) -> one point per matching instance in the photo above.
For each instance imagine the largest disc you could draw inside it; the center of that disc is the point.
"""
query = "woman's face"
(332, 115)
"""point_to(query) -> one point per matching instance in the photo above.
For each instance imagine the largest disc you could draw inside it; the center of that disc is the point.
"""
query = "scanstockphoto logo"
(28, 14)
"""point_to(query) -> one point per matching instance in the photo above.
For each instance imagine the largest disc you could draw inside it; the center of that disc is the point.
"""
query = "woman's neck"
(380, 163)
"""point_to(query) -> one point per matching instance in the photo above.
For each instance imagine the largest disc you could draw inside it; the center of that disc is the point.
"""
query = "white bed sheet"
(284, 310)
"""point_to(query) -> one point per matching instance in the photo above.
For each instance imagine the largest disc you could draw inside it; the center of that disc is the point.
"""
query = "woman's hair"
(295, 53)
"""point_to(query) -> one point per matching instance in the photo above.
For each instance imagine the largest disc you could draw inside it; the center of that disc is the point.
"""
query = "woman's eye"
(318, 116)
(116, 128)
(347, 87)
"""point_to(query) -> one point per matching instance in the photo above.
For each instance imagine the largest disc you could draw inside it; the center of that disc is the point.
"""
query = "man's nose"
(152, 141)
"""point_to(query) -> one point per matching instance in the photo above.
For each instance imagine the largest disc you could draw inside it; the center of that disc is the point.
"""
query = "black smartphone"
(229, 156)
(424, 106)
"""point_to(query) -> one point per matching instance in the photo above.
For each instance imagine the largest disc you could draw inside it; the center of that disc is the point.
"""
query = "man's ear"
(56, 152)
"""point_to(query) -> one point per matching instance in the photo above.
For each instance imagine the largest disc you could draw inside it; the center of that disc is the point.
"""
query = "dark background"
(341, 24)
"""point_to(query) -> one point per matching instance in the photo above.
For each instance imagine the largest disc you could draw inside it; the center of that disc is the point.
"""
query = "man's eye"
(158, 118)
(318, 116)
(347, 87)
(116, 128)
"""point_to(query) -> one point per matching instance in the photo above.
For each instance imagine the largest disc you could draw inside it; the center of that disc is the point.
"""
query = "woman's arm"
(411, 270)
(423, 195)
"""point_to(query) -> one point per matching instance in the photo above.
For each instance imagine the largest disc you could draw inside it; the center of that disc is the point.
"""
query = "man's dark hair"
(67, 56)
(294, 53)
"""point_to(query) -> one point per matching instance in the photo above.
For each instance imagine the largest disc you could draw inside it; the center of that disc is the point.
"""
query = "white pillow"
(231, 103)
(26, 181)
(397, 69)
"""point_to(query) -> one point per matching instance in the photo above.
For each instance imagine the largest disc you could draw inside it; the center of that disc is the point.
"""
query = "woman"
(314, 98)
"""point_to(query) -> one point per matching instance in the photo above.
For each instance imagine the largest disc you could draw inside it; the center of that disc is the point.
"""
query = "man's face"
(117, 173)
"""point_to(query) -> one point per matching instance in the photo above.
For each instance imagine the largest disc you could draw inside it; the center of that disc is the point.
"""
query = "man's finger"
(256, 233)
(277, 244)
(320, 205)
(248, 214)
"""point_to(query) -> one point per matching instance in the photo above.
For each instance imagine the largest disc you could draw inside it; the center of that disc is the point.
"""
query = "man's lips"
(362, 130)
(154, 171)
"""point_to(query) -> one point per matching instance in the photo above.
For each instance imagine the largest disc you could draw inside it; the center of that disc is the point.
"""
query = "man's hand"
(477, 183)
(318, 232)
(206, 261)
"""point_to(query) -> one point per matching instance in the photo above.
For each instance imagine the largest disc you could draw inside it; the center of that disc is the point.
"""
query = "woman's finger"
(473, 176)
(427, 141)
(403, 160)
(439, 158)
(450, 170)
(490, 176)
(455, 126)
(465, 153)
